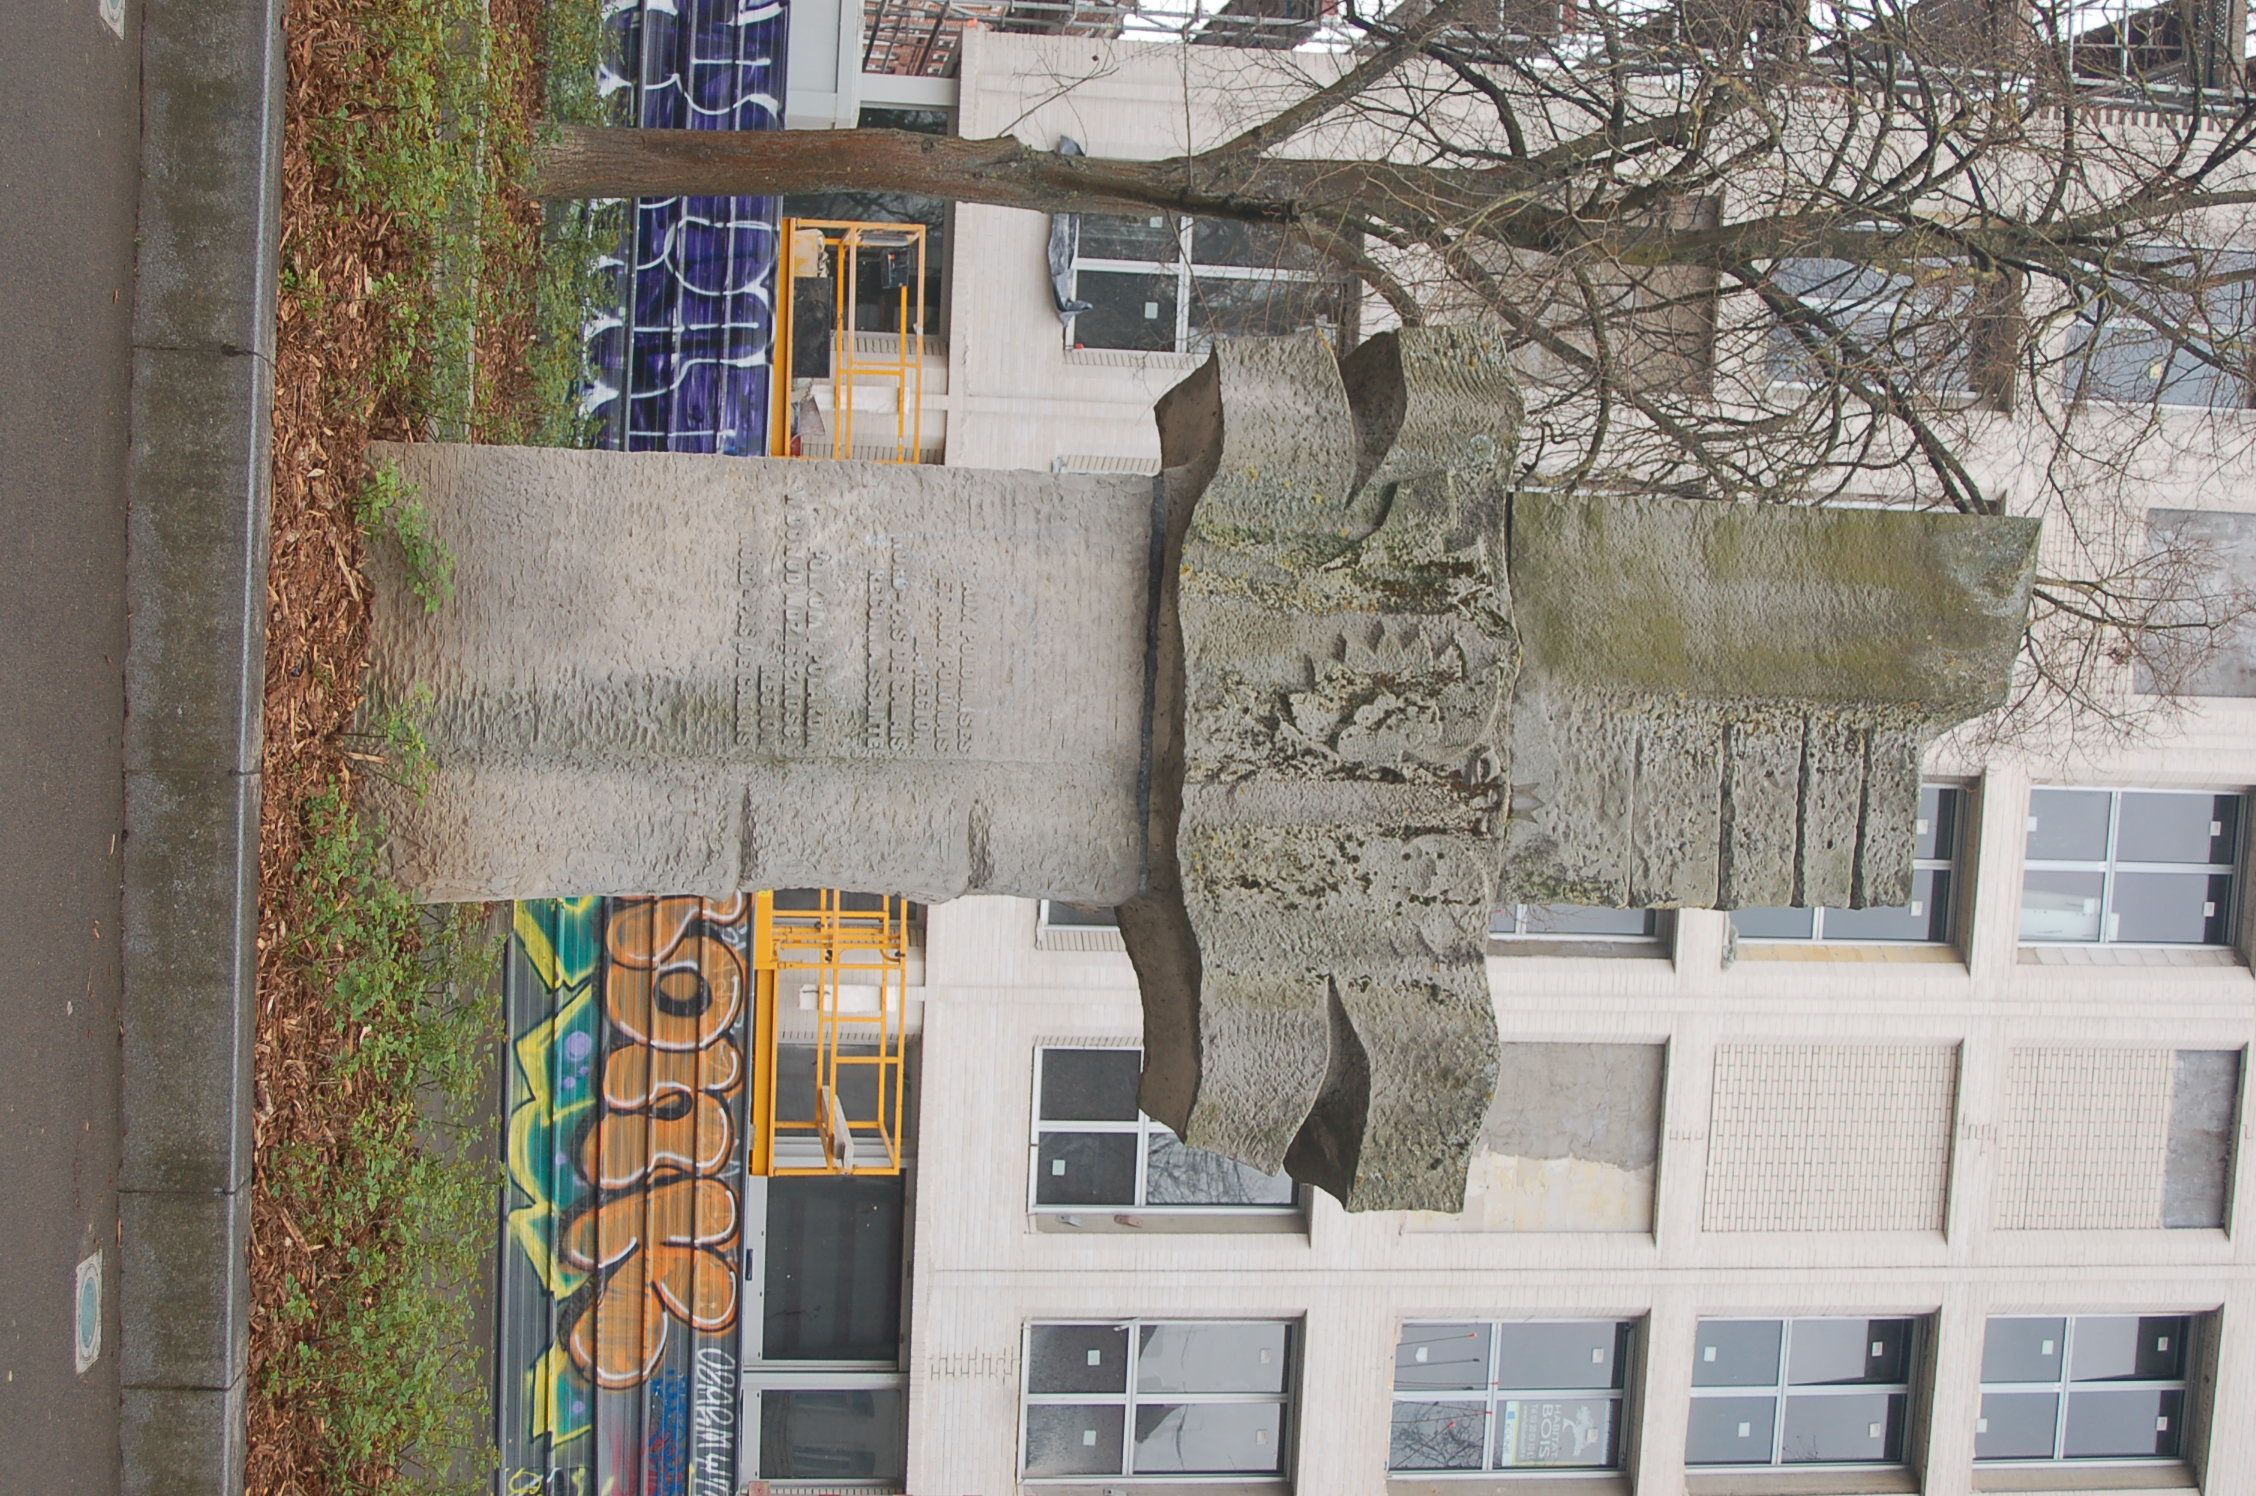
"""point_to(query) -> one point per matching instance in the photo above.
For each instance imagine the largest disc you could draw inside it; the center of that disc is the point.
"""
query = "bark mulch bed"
(355, 308)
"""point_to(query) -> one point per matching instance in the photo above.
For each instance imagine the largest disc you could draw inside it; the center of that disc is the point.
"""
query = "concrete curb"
(196, 546)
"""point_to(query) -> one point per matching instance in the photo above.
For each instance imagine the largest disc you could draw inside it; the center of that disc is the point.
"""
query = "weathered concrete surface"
(676, 672)
(1306, 709)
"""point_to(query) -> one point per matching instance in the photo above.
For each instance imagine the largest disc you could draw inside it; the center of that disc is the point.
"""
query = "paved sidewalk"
(69, 149)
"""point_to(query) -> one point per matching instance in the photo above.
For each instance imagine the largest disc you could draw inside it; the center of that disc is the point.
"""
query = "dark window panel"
(1090, 1085)
(1830, 1352)
(2023, 1349)
(833, 1274)
(1925, 919)
(1210, 1439)
(1437, 1436)
(1127, 309)
(2068, 825)
(1434, 1357)
(1730, 1431)
(847, 1434)
(1736, 1353)
(1859, 1429)
(1220, 241)
(2177, 828)
(1238, 307)
(1079, 917)
(1109, 236)
(1077, 1358)
(1572, 1354)
(1558, 1433)
(2120, 1348)
(1213, 1356)
(2124, 1423)
(1582, 919)
(2172, 908)
(1775, 924)
(1074, 1441)
(2016, 1425)
(1085, 1168)
(1940, 807)
(1177, 1174)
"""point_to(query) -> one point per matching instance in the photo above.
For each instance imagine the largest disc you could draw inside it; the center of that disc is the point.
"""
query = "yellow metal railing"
(849, 966)
(816, 248)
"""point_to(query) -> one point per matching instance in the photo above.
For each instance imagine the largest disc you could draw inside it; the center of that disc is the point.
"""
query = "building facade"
(1938, 1199)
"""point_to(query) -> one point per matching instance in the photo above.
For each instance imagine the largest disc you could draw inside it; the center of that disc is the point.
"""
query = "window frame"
(2109, 865)
(1960, 389)
(1780, 1390)
(1492, 1398)
(2062, 1388)
(1186, 271)
(2088, 326)
(1143, 1129)
(1287, 1401)
(1653, 933)
(1952, 900)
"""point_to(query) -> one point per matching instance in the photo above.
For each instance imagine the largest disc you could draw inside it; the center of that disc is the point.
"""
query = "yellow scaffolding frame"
(811, 247)
(841, 951)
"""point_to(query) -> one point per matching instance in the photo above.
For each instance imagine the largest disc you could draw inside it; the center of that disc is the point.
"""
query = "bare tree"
(1966, 254)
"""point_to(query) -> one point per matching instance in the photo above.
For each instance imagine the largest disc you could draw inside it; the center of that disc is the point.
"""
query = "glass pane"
(1939, 806)
(2016, 1425)
(854, 1434)
(1437, 1436)
(1926, 918)
(2060, 906)
(1090, 1085)
(1213, 1356)
(1583, 1353)
(1229, 306)
(1774, 924)
(1219, 241)
(1736, 1353)
(2124, 1423)
(833, 1275)
(1109, 236)
(1058, 913)
(1085, 1168)
(2023, 1350)
(2172, 908)
(1859, 1429)
(1832, 1352)
(1075, 1441)
(1127, 309)
(1558, 1433)
(1210, 1439)
(1729, 1431)
(1585, 919)
(2177, 828)
(1178, 1174)
(1077, 1358)
(2068, 825)
(2121, 1348)
(1435, 1356)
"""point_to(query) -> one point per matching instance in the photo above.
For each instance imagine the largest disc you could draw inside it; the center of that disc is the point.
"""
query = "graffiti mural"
(678, 361)
(626, 1104)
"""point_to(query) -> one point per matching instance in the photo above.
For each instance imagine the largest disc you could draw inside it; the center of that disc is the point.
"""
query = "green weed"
(396, 1210)
(390, 508)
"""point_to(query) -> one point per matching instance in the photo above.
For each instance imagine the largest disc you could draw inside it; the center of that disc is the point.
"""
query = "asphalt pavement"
(69, 141)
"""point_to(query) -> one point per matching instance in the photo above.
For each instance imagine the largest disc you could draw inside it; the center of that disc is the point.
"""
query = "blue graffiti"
(681, 364)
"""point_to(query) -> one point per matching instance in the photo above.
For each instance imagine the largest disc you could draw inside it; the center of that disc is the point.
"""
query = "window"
(1059, 915)
(1158, 1398)
(2083, 1387)
(1511, 1395)
(1171, 285)
(1572, 922)
(1926, 919)
(1801, 1391)
(1093, 1148)
(2141, 342)
(1910, 326)
(2130, 867)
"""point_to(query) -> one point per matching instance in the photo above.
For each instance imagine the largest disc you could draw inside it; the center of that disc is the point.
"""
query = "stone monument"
(1305, 707)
